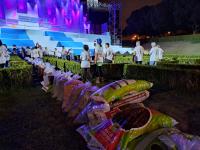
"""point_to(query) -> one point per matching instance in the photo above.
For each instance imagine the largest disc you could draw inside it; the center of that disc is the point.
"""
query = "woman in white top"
(109, 55)
(7, 55)
(40, 51)
(99, 56)
(2, 55)
(85, 63)
(36, 53)
(153, 54)
(139, 52)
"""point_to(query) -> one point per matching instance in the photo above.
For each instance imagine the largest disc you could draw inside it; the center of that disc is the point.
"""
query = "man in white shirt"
(153, 54)
(160, 53)
(109, 55)
(139, 52)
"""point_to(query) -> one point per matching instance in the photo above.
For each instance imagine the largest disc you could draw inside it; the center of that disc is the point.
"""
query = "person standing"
(85, 63)
(68, 53)
(160, 53)
(153, 54)
(63, 53)
(36, 51)
(40, 51)
(28, 51)
(99, 55)
(139, 52)
(7, 55)
(109, 54)
(2, 55)
(15, 50)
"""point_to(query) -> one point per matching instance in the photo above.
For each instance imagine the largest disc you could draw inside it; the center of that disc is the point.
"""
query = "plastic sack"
(185, 141)
(132, 116)
(94, 112)
(104, 136)
(82, 100)
(55, 84)
(60, 88)
(157, 121)
(110, 88)
(131, 98)
(60, 85)
(76, 91)
(118, 94)
(165, 138)
(149, 141)
(68, 87)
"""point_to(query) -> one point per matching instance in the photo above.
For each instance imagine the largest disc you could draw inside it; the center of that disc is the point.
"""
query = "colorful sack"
(82, 100)
(56, 85)
(76, 91)
(132, 116)
(185, 141)
(96, 108)
(68, 87)
(60, 93)
(132, 98)
(158, 120)
(109, 88)
(152, 140)
(104, 136)
(118, 94)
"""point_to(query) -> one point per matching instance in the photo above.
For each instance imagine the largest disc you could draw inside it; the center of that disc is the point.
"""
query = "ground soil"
(31, 120)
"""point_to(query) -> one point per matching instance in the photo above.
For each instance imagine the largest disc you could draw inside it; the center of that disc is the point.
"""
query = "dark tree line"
(177, 16)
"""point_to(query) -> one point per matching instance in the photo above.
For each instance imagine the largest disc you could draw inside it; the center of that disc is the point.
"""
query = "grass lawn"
(31, 120)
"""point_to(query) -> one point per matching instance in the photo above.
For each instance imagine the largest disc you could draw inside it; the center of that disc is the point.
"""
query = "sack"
(94, 112)
(149, 141)
(60, 93)
(68, 87)
(104, 136)
(75, 93)
(110, 88)
(157, 121)
(118, 94)
(132, 98)
(82, 100)
(56, 86)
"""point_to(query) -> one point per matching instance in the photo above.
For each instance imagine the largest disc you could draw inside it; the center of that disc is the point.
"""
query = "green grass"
(195, 38)
(182, 59)
(31, 119)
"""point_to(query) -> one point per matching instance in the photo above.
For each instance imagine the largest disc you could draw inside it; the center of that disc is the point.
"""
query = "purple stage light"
(64, 14)
(22, 6)
(2, 13)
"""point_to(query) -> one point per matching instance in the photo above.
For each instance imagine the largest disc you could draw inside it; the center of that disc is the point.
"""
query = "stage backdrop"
(61, 15)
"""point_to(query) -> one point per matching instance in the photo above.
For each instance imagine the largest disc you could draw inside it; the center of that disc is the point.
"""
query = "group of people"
(156, 53)
(101, 56)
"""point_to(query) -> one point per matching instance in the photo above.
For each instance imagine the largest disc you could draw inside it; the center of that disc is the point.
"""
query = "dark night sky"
(129, 5)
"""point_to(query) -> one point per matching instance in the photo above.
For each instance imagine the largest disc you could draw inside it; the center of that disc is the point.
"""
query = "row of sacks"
(113, 117)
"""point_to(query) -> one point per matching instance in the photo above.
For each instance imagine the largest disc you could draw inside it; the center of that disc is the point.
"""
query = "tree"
(169, 15)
